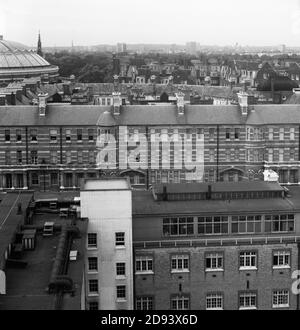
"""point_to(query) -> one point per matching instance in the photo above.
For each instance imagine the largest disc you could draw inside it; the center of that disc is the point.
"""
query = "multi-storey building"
(219, 246)
(195, 246)
(51, 147)
(109, 260)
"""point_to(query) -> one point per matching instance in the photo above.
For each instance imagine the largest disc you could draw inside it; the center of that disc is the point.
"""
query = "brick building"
(224, 246)
(53, 146)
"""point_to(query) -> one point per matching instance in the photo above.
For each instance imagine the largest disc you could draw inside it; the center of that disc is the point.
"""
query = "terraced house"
(52, 147)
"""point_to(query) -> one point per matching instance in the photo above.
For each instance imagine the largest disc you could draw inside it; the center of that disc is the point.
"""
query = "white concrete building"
(107, 203)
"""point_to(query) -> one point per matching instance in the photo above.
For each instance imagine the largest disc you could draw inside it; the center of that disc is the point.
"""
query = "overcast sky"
(210, 22)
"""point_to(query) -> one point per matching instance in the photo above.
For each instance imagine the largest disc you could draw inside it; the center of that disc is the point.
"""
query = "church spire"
(39, 46)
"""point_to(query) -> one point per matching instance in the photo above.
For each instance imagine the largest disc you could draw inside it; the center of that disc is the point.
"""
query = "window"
(236, 133)
(211, 155)
(53, 157)
(292, 134)
(68, 157)
(54, 179)
(246, 224)
(180, 303)
(53, 135)
(211, 133)
(92, 240)
(279, 223)
(144, 303)
(270, 155)
(79, 134)
(214, 261)
(213, 225)
(180, 263)
(121, 292)
(281, 155)
(178, 226)
(247, 300)
(248, 260)
(68, 135)
(93, 286)
(91, 134)
(91, 156)
(228, 153)
(7, 135)
(34, 179)
(292, 154)
(271, 134)
(200, 134)
(79, 156)
(19, 157)
(34, 156)
(121, 269)
(214, 302)
(281, 134)
(18, 135)
(120, 239)
(93, 305)
(227, 133)
(144, 264)
(93, 264)
(33, 135)
(280, 299)
(281, 259)
(7, 157)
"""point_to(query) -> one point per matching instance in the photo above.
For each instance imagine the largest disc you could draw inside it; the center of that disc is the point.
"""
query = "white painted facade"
(107, 203)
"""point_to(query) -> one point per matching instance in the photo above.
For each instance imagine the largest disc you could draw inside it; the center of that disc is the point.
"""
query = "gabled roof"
(142, 115)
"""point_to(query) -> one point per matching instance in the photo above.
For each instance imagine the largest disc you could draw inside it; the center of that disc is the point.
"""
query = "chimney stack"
(243, 103)
(117, 101)
(180, 103)
(42, 104)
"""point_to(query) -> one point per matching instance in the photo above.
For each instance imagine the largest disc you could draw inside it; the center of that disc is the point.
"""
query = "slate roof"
(89, 115)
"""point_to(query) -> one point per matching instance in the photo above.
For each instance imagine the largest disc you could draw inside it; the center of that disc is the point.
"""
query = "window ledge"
(120, 247)
(95, 294)
(217, 270)
(179, 271)
(214, 309)
(280, 306)
(150, 272)
(121, 300)
(92, 272)
(247, 308)
(92, 248)
(120, 277)
(281, 267)
(248, 268)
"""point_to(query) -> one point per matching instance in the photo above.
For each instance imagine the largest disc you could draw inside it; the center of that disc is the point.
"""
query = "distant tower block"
(39, 46)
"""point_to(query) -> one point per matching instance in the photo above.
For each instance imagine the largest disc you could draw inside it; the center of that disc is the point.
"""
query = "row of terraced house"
(54, 147)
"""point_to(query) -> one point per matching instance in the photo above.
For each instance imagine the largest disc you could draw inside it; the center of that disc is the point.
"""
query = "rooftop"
(135, 115)
(27, 288)
(106, 184)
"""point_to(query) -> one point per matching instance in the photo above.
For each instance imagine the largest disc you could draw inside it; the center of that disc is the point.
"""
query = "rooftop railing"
(232, 241)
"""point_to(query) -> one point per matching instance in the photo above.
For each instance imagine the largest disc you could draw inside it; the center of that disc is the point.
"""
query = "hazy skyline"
(92, 22)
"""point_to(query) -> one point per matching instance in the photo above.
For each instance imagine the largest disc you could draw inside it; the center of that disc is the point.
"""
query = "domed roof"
(16, 55)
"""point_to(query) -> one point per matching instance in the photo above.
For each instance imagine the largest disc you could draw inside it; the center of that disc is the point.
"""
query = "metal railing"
(224, 241)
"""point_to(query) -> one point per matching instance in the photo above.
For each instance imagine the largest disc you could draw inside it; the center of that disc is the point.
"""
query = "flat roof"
(144, 204)
(241, 186)
(27, 287)
(9, 219)
(106, 184)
